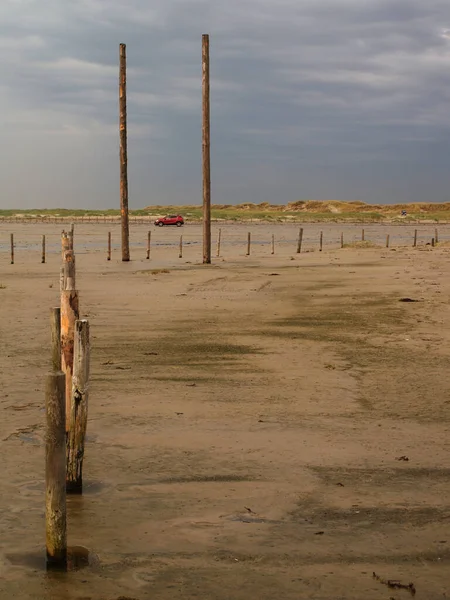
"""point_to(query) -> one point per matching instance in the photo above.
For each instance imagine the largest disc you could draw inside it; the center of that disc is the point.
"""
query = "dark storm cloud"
(337, 98)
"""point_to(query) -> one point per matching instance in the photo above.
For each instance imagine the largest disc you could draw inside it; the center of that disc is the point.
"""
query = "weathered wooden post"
(69, 314)
(149, 241)
(66, 243)
(387, 241)
(218, 242)
(206, 155)
(363, 237)
(78, 408)
(180, 254)
(433, 242)
(109, 246)
(55, 472)
(273, 243)
(342, 239)
(249, 241)
(12, 248)
(123, 153)
(68, 271)
(55, 323)
(321, 241)
(415, 238)
(436, 236)
(43, 250)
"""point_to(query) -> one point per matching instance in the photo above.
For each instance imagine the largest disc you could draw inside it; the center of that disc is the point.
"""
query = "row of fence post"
(104, 220)
(434, 241)
(67, 390)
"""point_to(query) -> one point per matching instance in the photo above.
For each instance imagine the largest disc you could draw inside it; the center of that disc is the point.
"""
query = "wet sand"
(246, 419)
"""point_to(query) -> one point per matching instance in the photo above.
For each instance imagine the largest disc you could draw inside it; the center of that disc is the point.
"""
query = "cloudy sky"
(320, 99)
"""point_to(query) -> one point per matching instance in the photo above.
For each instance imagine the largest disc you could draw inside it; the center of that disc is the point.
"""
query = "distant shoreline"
(107, 220)
(308, 211)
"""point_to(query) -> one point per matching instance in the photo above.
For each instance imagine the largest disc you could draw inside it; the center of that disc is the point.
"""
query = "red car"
(170, 220)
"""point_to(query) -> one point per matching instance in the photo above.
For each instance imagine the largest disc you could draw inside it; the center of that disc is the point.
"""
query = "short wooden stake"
(61, 279)
(432, 242)
(218, 242)
(12, 248)
(249, 241)
(109, 246)
(43, 250)
(363, 237)
(387, 241)
(78, 408)
(180, 255)
(321, 241)
(55, 323)
(415, 238)
(64, 243)
(149, 241)
(436, 236)
(300, 239)
(342, 239)
(273, 243)
(55, 472)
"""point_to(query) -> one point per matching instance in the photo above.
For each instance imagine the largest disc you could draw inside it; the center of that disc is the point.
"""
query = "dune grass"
(304, 211)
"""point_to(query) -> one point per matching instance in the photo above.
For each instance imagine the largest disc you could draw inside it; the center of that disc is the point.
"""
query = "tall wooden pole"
(108, 257)
(43, 250)
(12, 248)
(123, 153)
(55, 472)
(206, 152)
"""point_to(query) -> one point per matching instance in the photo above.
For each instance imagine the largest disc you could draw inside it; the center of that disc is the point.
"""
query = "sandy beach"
(269, 426)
